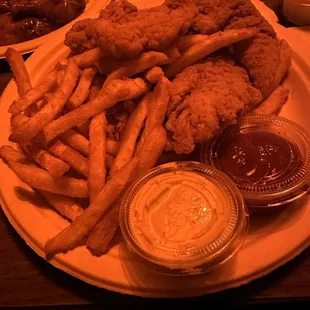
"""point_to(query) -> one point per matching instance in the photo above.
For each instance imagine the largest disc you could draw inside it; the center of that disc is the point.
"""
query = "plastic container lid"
(184, 218)
(268, 158)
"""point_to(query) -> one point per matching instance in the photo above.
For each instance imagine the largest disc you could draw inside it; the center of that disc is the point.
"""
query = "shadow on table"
(99, 297)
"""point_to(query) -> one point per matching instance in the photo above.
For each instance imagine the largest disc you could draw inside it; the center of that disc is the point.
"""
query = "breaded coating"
(205, 98)
(124, 32)
(212, 14)
(260, 55)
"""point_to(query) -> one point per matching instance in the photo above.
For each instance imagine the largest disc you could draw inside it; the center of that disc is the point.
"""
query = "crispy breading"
(124, 32)
(205, 97)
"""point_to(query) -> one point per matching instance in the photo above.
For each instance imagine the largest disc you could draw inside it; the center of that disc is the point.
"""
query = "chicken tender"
(205, 98)
(122, 31)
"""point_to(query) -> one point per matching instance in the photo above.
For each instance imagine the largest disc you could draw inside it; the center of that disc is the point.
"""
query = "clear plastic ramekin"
(184, 218)
(280, 185)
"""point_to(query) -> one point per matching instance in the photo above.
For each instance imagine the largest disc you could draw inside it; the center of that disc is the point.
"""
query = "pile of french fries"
(60, 129)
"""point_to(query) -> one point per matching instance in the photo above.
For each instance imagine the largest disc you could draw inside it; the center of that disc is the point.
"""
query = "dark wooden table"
(28, 280)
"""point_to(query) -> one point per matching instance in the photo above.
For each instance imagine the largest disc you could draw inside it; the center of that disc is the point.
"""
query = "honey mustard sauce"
(177, 212)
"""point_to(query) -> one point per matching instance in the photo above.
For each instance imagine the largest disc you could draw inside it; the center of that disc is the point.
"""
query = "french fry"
(82, 90)
(97, 153)
(81, 144)
(70, 237)
(186, 42)
(115, 91)
(52, 108)
(130, 134)
(87, 58)
(151, 149)
(132, 67)
(18, 120)
(204, 48)
(172, 53)
(55, 166)
(154, 74)
(41, 179)
(70, 156)
(83, 128)
(34, 94)
(157, 109)
(7, 153)
(273, 104)
(19, 70)
(76, 140)
(65, 206)
(102, 234)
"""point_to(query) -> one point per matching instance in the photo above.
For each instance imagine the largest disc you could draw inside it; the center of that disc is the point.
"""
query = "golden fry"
(70, 156)
(55, 166)
(82, 90)
(7, 153)
(87, 58)
(102, 234)
(20, 73)
(154, 74)
(130, 134)
(97, 154)
(41, 179)
(52, 108)
(172, 53)
(34, 94)
(273, 104)
(151, 149)
(65, 206)
(157, 109)
(76, 140)
(143, 62)
(71, 236)
(202, 49)
(115, 91)
(186, 42)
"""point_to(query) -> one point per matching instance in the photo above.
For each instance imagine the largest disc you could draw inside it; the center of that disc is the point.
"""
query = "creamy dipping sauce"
(178, 213)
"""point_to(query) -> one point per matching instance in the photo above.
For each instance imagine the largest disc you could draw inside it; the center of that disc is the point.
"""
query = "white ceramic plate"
(92, 9)
(272, 241)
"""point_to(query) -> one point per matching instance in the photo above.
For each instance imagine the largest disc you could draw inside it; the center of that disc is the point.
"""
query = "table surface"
(26, 279)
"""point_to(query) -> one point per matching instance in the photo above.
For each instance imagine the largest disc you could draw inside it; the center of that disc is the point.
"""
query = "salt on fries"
(63, 125)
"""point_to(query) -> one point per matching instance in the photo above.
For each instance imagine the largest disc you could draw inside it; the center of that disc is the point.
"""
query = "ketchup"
(257, 157)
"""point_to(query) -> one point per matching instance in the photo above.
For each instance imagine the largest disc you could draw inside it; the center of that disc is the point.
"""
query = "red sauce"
(258, 157)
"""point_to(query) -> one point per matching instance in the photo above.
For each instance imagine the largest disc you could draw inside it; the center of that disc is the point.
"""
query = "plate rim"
(92, 9)
(133, 290)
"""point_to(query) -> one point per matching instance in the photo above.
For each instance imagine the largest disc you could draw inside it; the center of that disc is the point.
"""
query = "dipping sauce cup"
(268, 158)
(184, 218)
